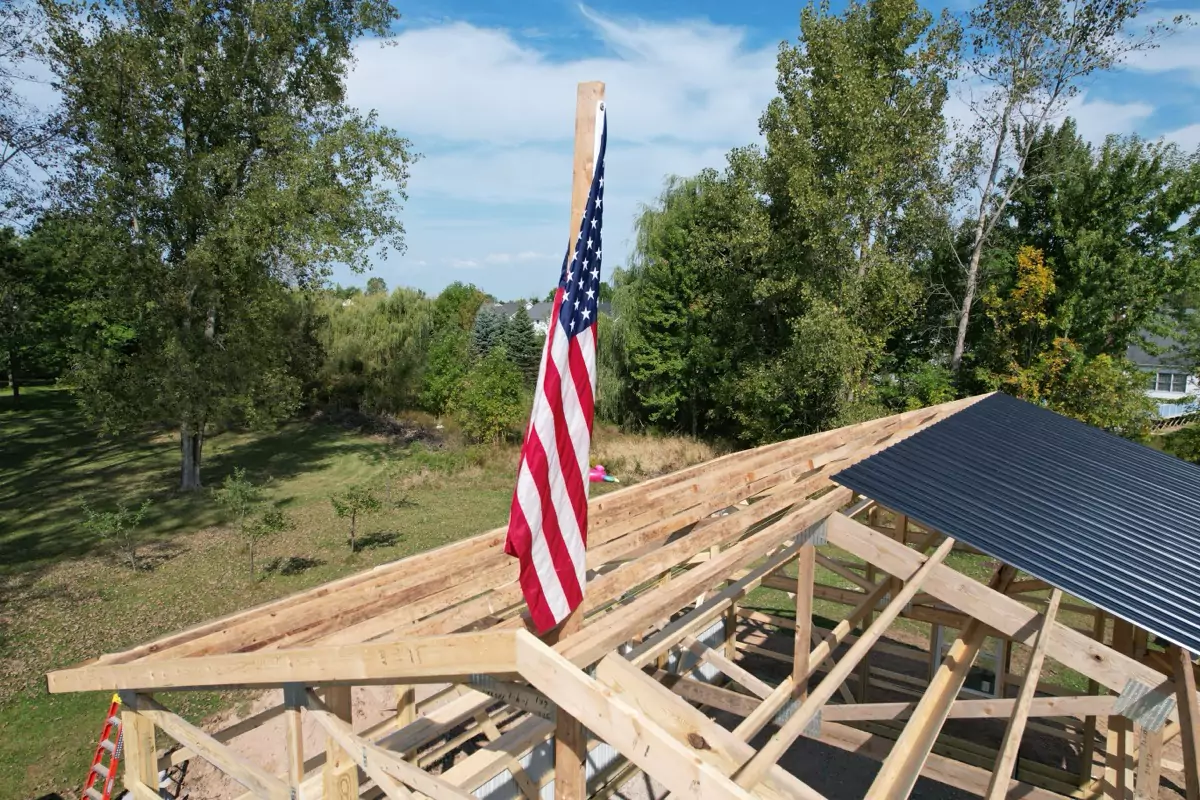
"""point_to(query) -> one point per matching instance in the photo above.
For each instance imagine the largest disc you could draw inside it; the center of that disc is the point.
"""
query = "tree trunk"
(251, 559)
(353, 543)
(981, 231)
(191, 445)
(12, 377)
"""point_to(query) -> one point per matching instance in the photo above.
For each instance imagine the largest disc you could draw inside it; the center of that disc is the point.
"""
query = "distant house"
(1169, 378)
(538, 312)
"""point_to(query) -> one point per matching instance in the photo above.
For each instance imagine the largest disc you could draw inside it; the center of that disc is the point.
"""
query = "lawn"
(65, 597)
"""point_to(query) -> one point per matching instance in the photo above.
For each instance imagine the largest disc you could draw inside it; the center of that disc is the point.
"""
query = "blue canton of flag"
(580, 279)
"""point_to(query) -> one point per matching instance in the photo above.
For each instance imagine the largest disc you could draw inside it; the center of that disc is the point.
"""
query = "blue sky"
(486, 91)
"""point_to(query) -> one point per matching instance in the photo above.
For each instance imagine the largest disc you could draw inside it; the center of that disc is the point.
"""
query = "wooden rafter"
(751, 773)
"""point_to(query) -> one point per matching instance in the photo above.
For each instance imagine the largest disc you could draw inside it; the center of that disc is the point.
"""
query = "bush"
(449, 360)
(121, 528)
(491, 405)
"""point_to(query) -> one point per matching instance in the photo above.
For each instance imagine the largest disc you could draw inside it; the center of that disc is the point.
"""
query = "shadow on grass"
(291, 565)
(373, 541)
(54, 461)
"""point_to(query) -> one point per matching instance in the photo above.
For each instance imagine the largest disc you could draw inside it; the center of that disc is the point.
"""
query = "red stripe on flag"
(565, 444)
(531, 585)
(564, 567)
(583, 381)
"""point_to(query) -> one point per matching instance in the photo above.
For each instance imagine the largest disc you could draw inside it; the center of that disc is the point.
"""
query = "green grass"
(64, 596)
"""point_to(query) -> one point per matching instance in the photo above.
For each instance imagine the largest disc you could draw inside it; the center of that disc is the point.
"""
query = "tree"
(122, 527)
(375, 349)
(216, 166)
(457, 305)
(445, 368)
(1030, 57)
(243, 500)
(520, 341)
(376, 285)
(491, 404)
(30, 135)
(488, 331)
(357, 501)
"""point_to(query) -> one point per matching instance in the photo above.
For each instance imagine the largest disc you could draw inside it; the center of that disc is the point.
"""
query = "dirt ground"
(833, 772)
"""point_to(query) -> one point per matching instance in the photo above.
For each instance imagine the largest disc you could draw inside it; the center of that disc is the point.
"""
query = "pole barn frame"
(630, 670)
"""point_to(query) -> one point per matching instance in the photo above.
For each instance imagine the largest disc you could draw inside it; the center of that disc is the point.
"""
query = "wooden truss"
(670, 562)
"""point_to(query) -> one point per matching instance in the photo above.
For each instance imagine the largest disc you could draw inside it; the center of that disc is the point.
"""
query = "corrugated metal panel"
(1103, 518)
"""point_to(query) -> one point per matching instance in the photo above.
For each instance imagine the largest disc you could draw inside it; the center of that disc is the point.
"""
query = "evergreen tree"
(521, 343)
(488, 331)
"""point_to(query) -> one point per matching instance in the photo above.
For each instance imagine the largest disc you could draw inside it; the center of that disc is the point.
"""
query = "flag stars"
(589, 247)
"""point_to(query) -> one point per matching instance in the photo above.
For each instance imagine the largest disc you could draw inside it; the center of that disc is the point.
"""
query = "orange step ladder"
(102, 771)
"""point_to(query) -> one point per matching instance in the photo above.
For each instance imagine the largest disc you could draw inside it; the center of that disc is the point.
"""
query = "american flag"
(547, 527)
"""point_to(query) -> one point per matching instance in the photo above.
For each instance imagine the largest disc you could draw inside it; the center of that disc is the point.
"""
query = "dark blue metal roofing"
(1105, 519)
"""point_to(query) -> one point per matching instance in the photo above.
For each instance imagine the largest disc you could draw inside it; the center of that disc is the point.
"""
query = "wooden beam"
(294, 701)
(137, 733)
(903, 766)
(218, 754)
(437, 659)
(729, 668)
(386, 768)
(1149, 765)
(802, 641)
(570, 741)
(1189, 718)
(1118, 756)
(339, 775)
(751, 772)
(1011, 744)
(1071, 648)
(612, 718)
(707, 740)
(1087, 752)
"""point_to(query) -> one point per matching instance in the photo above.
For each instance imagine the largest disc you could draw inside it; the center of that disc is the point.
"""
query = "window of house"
(1169, 382)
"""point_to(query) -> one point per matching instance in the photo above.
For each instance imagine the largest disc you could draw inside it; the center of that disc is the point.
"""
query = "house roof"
(1168, 354)
(1105, 519)
(539, 312)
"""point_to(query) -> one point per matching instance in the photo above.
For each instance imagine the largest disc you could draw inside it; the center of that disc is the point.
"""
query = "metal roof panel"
(1108, 520)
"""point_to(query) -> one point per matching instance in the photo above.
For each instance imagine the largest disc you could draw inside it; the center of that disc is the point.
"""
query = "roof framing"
(670, 562)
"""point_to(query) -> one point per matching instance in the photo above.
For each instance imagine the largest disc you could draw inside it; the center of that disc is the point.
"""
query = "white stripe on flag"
(543, 563)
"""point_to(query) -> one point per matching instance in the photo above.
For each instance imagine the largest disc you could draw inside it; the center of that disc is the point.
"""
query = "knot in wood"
(697, 741)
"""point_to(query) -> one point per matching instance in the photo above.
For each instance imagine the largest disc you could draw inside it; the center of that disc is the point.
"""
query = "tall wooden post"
(806, 565)
(1118, 769)
(137, 736)
(1087, 752)
(340, 773)
(570, 740)
(294, 700)
(1189, 718)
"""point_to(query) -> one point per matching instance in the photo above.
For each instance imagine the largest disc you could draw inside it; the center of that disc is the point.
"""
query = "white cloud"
(1187, 137)
(1180, 51)
(494, 118)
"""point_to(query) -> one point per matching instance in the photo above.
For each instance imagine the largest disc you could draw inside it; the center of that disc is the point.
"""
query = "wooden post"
(1149, 766)
(806, 567)
(406, 705)
(1118, 756)
(294, 700)
(137, 734)
(1006, 759)
(864, 666)
(570, 741)
(1087, 751)
(1189, 717)
(340, 773)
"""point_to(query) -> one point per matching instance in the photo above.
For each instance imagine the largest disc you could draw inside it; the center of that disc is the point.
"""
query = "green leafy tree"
(215, 164)
(457, 306)
(1030, 58)
(447, 365)
(376, 285)
(120, 527)
(520, 341)
(357, 501)
(491, 403)
(375, 350)
(254, 521)
(488, 331)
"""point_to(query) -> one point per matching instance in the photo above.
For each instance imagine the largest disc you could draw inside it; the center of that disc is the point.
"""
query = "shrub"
(491, 405)
(357, 501)
(120, 527)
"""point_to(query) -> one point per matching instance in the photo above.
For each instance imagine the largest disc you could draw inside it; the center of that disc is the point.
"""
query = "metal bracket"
(812, 729)
(295, 695)
(1148, 707)
(815, 534)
